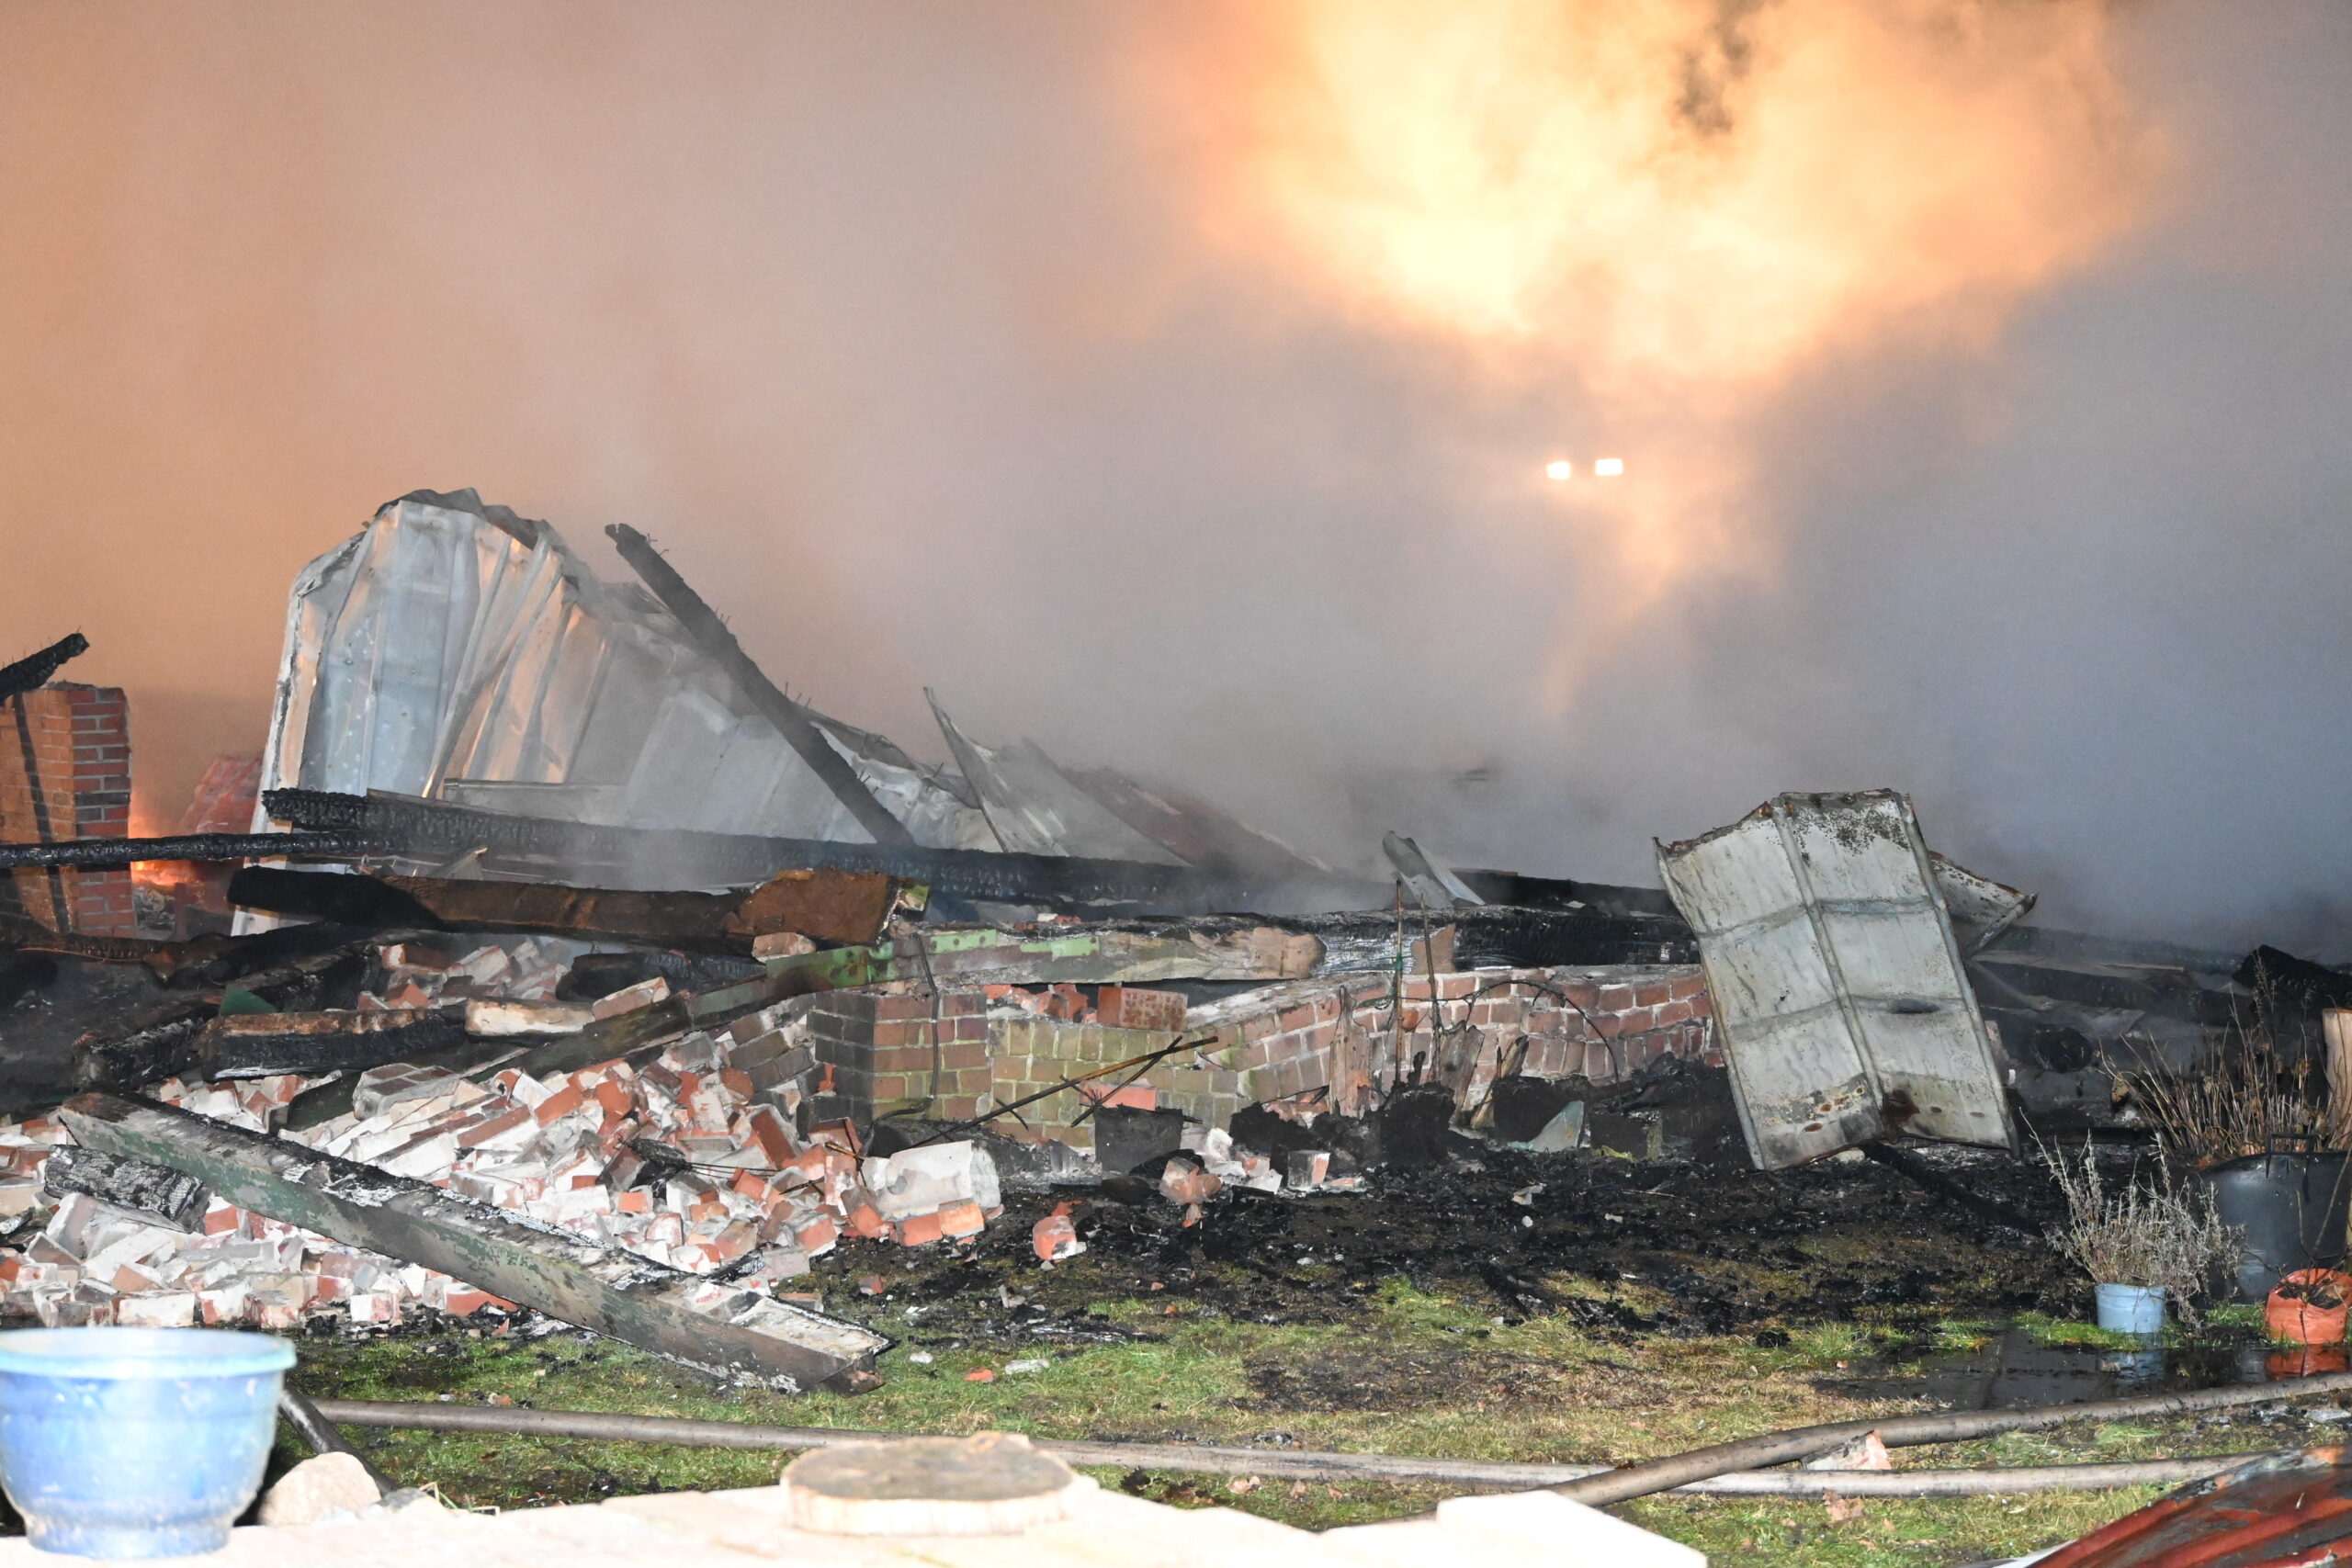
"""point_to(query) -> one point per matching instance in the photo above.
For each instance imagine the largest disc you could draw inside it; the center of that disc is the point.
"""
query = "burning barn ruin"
(552, 957)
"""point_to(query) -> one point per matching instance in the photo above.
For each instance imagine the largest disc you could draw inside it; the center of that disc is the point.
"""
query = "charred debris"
(552, 956)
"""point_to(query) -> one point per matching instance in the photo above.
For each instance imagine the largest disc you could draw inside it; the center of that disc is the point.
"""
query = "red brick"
(770, 1135)
(1674, 1013)
(1132, 1007)
(919, 1230)
(962, 1220)
(1054, 1236)
(563, 1102)
(491, 1126)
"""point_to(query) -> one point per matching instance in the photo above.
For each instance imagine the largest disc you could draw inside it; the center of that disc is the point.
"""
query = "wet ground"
(1615, 1245)
(2017, 1367)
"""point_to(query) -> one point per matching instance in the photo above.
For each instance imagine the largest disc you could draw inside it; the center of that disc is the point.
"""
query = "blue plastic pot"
(136, 1442)
(2131, 1309)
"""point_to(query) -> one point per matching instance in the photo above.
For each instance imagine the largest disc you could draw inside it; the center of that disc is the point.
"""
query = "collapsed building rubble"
(579, 968)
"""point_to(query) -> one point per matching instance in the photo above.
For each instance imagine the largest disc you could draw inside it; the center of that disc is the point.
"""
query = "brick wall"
(66, 775)
(1324, 1043)
(878, 1053)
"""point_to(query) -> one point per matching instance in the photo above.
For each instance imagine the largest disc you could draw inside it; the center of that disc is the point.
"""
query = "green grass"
(1414, 1374)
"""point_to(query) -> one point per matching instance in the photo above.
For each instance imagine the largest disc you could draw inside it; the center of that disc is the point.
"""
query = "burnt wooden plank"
(252, 1045)
(614, 1294)
(829, 904)
(163, 1195)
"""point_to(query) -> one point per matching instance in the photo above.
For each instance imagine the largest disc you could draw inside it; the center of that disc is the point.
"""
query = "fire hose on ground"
(1736, 1469)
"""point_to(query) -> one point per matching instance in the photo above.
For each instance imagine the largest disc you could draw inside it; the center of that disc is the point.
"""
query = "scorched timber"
(165, 1196)
(830, 906)
(625, 1297)
(161, 1042)
(431, 830)
(252, 1045)
(34, 670)
(104, 853)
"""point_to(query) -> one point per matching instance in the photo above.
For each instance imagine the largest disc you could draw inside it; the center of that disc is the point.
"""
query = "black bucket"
(2292, 1209)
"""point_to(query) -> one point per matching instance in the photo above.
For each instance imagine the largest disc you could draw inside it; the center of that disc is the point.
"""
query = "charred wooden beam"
(626, 1297)
(830, 906)
(1560, 893)
(432, 830)
(795, 723)
(100, 853)
(268, 962)
(258, 1045)
(162, 1042)
(149, 1052)
(35, 670)
(167, 1197)
(32, 936)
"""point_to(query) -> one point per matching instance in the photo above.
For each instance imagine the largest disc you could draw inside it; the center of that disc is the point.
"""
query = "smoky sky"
(898, 327)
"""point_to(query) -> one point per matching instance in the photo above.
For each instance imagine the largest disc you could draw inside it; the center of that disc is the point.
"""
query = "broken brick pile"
(416, 975)
(734, 1156)
(686, 1159)
(91, 1263)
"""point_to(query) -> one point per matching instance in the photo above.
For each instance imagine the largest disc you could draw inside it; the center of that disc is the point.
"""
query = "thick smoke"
(1173, 383)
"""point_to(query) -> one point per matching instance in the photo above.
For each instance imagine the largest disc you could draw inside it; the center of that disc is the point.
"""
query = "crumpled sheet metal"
(1035, 808)
(1838, 991)
(453, 650)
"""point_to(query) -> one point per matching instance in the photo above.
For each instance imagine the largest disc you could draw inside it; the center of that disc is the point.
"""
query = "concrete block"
(320, 1486)
(924, 1181)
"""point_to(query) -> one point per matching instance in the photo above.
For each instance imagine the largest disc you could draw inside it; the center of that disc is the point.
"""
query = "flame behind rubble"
(1682, 204)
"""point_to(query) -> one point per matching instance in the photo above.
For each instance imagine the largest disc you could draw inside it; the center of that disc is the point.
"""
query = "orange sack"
(2307, 1307)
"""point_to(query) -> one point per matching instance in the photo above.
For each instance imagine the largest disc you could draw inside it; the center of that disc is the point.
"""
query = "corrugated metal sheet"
(1981, 909)
(455, 652)
(1036, 810)
(1838, 986)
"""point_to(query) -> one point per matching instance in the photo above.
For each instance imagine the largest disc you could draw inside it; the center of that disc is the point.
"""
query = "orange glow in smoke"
(1682, 205)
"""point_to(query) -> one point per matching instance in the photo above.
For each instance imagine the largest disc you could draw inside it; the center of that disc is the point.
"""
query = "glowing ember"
(1610, 467)
(1558, 470)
